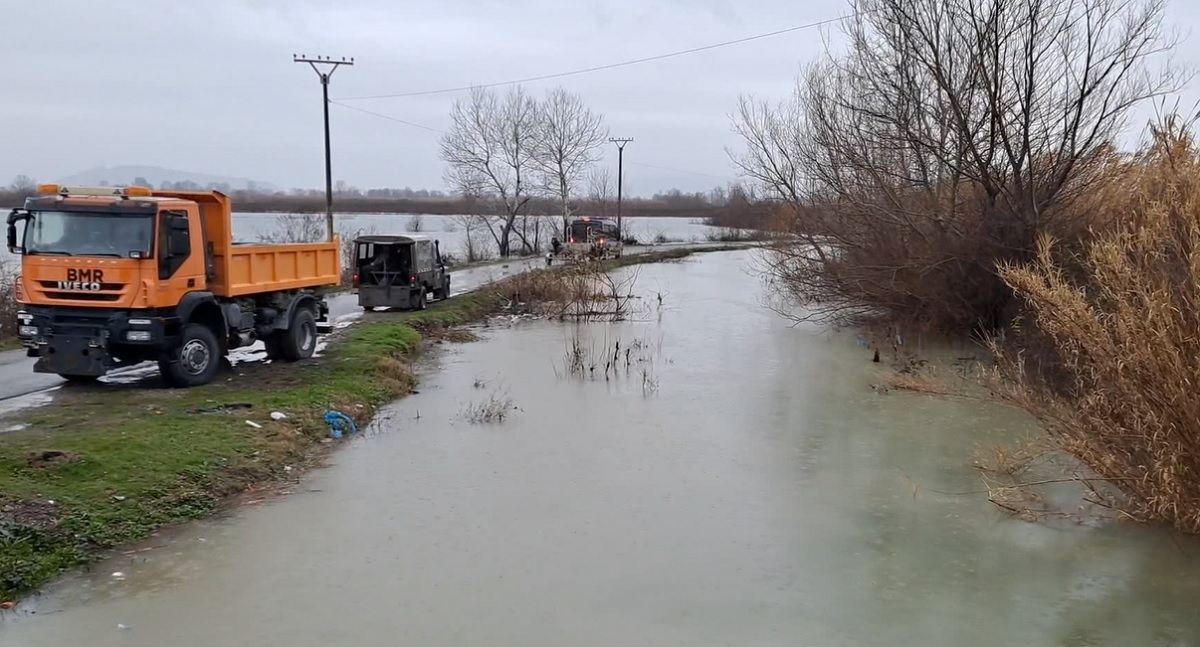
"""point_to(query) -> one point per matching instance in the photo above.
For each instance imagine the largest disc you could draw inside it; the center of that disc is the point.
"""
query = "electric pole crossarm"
(330, 65)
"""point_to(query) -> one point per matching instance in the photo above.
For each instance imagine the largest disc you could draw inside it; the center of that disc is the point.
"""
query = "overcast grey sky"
(209, 86)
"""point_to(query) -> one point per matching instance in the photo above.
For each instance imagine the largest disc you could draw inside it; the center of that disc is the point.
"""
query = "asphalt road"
(18, 382)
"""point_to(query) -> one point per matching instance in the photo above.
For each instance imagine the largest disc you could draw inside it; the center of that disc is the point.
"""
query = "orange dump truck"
(119, 276)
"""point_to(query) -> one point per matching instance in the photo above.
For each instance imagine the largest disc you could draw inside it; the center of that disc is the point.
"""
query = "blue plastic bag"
(339, 424)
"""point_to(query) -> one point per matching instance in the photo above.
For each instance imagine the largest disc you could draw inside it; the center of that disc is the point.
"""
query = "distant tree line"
(727, 206)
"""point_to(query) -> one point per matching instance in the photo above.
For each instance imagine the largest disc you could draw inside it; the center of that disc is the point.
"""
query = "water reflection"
(762, 495)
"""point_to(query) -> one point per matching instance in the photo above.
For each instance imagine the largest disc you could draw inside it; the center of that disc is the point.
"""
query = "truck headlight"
(137, 335)
(27, 331)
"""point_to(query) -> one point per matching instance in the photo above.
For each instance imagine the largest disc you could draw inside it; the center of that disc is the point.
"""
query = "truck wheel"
(195, 361)
(443, 292)
(300, 339)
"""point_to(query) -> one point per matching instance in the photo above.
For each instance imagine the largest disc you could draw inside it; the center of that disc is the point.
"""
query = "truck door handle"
(191, 283)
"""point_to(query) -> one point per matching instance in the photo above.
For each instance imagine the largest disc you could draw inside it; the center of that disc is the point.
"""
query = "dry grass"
(1121, 393)
(610, 360)
(585, 292)
(495, 408)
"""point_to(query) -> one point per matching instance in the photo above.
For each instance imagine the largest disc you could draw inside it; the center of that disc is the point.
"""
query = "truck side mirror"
(14, 217)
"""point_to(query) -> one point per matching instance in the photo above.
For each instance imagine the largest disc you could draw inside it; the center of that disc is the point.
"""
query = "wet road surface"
(740, 485)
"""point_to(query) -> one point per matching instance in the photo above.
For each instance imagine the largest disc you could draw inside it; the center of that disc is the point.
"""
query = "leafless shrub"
(416, 223)
(649, 381)
(8, 303)
(609, 360)
(296, 228)
(946, 139)
(493, 409)
(584, 292)
(1118, 391)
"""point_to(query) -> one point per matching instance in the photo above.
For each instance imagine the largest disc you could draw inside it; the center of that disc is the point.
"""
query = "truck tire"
(299, 341)
(195, 361)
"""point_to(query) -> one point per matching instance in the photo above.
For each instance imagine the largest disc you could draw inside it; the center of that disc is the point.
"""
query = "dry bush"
(495, 408)
(8, 304)
(944, 139)
(1126, 336)
(584, 292)
(610, 360)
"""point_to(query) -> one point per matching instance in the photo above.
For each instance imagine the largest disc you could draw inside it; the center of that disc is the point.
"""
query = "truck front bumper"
(80, 342)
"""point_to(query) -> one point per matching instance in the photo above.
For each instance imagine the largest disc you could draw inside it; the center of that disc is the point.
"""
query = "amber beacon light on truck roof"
(117, 191)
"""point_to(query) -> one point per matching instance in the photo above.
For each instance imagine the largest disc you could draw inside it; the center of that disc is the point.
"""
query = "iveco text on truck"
(118, 276)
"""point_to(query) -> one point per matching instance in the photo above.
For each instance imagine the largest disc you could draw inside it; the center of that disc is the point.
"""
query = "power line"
(681, 171)
(435, 130)
(609, 66)
(383, 116)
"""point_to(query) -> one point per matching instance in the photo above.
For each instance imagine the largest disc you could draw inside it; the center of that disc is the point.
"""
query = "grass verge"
(104, 467)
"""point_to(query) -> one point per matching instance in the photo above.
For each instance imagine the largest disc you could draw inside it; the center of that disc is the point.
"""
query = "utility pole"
(620, 142)
(328, 67)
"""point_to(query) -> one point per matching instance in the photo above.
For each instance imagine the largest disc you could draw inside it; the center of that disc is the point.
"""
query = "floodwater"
(739, 484)
(251, 227)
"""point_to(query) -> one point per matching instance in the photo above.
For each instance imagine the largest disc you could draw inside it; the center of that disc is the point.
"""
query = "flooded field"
(732, 480)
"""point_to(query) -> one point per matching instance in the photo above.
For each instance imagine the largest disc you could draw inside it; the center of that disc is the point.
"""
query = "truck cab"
(119, 276)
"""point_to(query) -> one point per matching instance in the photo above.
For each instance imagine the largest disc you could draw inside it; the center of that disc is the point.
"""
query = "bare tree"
(490, 152)
(569, 141)
(296, 228)
(23, 185)
(473, 226)
(600, 189)
(946, 139)
(416, 223)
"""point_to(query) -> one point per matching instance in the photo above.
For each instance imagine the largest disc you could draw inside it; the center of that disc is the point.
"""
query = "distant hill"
(129, 174)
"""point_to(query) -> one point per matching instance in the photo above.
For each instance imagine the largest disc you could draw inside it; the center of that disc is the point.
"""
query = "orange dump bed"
(252, 269)
(244, 269)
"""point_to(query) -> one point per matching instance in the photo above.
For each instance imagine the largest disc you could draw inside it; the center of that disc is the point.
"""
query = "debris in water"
(121, 627)
(258, 426)
(118, 575)
(7, 604)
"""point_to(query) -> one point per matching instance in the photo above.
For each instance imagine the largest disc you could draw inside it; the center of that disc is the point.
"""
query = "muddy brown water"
(740, 485)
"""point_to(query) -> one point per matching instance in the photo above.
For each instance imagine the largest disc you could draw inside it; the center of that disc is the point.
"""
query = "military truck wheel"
(300, 339)
(195, 361)
(443, 292)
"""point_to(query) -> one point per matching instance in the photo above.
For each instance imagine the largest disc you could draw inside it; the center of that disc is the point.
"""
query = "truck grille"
(67, 291)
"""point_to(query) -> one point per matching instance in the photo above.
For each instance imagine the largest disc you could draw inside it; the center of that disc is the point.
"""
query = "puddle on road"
(761, 494)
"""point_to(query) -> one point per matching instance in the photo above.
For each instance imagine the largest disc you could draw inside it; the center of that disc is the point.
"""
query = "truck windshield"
(86, 233)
